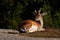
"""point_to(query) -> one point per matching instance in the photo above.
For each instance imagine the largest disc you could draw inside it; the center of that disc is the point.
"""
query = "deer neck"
(40, 20)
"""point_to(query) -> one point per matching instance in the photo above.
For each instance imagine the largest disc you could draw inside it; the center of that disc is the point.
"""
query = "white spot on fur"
(22, 29)
(33, 28)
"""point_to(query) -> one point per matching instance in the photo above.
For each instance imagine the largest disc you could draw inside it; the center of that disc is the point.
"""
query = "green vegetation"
(12, 12)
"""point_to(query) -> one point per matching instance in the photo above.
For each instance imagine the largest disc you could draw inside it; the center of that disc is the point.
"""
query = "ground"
(49, 33)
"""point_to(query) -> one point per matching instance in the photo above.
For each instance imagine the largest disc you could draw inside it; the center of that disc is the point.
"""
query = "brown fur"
(28, 24)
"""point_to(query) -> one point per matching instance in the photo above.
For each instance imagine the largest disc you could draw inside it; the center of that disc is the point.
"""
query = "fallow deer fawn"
(32, 26)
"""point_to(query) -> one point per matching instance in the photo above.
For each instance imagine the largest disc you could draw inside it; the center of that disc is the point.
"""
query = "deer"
(29, 26)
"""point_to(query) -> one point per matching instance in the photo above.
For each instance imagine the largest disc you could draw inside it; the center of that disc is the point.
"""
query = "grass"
(49, 32)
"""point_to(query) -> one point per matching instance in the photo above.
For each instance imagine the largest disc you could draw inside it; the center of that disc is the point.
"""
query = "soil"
(48, 33)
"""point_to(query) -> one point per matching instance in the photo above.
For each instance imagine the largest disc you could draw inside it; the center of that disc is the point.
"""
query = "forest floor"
(48, 33)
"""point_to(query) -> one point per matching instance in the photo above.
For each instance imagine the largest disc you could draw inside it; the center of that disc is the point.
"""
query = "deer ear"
(35, 12)
(43, 14)
(40, 10)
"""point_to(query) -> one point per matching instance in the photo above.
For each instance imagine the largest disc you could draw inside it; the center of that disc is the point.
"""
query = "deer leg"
(41, 29)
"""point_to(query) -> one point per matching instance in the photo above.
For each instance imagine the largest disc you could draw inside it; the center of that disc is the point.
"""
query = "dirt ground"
(48, 33)
(17, 37)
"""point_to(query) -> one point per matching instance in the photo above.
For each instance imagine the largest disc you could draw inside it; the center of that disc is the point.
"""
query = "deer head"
(38, 15)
